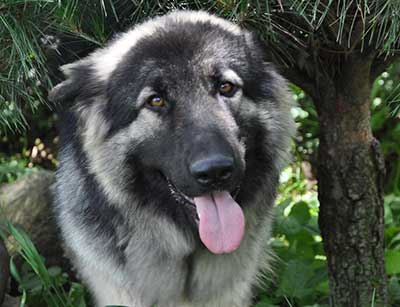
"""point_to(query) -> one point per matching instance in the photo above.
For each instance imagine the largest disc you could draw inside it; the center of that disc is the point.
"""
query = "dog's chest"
(197, 278)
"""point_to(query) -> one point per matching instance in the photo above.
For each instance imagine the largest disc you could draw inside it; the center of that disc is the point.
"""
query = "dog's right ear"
(65, 91)
(68, 90)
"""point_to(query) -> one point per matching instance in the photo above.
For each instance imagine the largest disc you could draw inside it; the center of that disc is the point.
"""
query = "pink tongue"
(221, 224)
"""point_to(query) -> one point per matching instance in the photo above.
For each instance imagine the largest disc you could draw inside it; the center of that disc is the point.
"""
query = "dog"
(172, 138)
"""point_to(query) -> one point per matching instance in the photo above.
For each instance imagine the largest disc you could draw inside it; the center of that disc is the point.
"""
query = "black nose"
(212, 170)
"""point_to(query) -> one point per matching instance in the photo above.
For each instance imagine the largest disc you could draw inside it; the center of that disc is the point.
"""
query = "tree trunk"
(350, 176)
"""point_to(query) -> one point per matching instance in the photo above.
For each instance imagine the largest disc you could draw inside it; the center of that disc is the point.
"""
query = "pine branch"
(300, 34)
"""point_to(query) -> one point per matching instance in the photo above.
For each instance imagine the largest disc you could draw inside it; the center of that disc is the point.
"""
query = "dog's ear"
(255, 42)
(64, 91)
(68, 90)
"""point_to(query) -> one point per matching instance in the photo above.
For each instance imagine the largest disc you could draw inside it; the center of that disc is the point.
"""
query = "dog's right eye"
(227, 89)
(156, 102)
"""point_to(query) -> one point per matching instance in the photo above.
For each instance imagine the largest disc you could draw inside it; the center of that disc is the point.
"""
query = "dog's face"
(186, 83)
(188, 114)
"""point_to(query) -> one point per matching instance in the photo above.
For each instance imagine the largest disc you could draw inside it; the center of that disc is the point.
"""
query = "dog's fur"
(133, 240)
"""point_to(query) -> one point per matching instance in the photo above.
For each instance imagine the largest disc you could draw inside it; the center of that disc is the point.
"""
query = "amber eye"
(156, 102)
(226, 89)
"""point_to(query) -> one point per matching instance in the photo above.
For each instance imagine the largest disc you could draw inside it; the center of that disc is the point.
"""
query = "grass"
(39, 285)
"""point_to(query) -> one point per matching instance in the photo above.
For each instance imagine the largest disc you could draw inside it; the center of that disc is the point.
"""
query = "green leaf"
(391, 232)
(302, 245)
(319, 282)
(392, 259)
(54, 271)
(280, 208)
(265, 303)
(14, 270)
(395, 241)
(288, 226)
(76, 295)
(294, 280)
(323, 287)
(301, 212)
(394, 290)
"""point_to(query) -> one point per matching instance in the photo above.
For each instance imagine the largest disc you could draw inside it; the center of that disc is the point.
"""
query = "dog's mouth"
(183, 199)
(180, 197)
(219, 217)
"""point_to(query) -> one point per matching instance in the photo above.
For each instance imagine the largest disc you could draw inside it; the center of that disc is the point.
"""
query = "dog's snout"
(212, 170)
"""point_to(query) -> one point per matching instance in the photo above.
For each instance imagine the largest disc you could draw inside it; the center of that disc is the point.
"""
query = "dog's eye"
(156, 102)
(226, 89)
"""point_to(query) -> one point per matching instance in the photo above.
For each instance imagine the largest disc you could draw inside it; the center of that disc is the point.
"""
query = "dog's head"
(184, 108)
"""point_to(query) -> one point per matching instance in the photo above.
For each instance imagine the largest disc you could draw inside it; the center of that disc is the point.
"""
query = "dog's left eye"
(227, 89)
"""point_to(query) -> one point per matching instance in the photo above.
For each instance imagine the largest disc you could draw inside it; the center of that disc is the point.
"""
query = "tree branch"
(294, 70)
(300, 78)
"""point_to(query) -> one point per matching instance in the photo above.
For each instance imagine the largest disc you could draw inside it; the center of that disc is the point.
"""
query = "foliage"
(39, 285)
(301, 275)
(13, 169)
(308, 128)
(392, 242)
(385, 123)
(23, 64)
(26, 159)
(35, 34)
(301, 268)
(386, 128)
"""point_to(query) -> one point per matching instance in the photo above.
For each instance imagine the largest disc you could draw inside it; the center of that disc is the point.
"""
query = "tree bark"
(350, 176)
